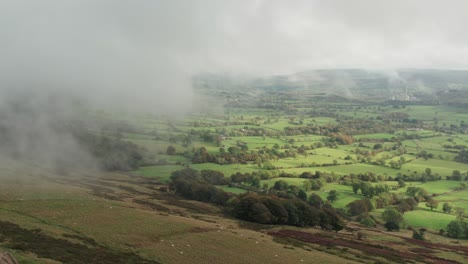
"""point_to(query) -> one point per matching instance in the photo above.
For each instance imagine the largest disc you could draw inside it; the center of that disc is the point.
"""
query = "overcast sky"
(146, 51)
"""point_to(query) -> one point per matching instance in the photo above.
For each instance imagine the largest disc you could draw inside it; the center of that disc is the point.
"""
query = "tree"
(255, 182)
(456, 229)
(279, 213)
(456, 175)
(302, 195)
(332, 196)
(356, 186)
(392, 218)
(367, 189)
(260, 213)
(431, 203)
(368, 221)
(214, 177)
(316, 201)
(391, 214)
(407, 204)
(186, 140)
(416, 191)
(330, 220)
(428, 171)
(462, 156)
(359, 207)
(171, 150)
(395, 164)
(392, 226)
(419, 234)
(401, 184)
(280, 185)
(447, 208)
(306, 185)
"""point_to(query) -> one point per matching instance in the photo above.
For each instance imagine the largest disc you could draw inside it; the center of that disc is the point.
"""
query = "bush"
(419, 234)
(441, 232)
(367, 221)
(392, 226)
(456, 229)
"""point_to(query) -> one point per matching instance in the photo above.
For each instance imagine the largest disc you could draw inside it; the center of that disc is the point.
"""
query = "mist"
(143, 55)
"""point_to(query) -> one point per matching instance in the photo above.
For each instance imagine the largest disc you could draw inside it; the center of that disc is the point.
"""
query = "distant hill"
(403, 84)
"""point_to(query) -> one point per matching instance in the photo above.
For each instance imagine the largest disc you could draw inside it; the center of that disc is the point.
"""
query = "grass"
(227, 169)
(435, 220)
(253, 142)
(299, 182)
(345, 194)
(234, 190)
(456, 198)
(162, 172)
(375, 136)
(441, 167)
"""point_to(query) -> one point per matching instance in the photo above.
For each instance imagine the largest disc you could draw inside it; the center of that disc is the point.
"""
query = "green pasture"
(254, 142)
(455, 198)
(345, 194)
(301, 160)
(306, 139)
(299, 182)
(426, 218)
(433, 187)
(441, 167)
(375, 136)
(226, 169)
(358, 168)
(234, 190)
(162, 172)
(336, 153)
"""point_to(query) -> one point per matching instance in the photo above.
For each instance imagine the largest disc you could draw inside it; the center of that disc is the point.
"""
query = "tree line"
(281, 205)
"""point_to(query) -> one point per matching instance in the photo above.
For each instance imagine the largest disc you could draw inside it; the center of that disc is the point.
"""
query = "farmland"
(305, 146)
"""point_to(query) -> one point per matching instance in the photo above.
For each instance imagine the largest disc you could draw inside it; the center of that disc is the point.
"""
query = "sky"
(143, 53)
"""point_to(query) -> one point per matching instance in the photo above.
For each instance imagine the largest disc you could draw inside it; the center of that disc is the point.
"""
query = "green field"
(429, 219)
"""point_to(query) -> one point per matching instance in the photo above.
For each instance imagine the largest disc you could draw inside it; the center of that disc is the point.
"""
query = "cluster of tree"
(113, 154)
(240, 154)
(192, 184)
(362, 207)
(184, 139)
(425, 176)
(396, 164)
(283, 205)
(418, 193)
(457, 176)
(392, 218)
(368, 177)
(350, 127)
(462, 156)
(234, 155)
(425, 155)
(455, 146)
(254, 131)
(458, 228)
(341, 139)
(369, 190)
(271, 209)
(324, 176)
(394, 116)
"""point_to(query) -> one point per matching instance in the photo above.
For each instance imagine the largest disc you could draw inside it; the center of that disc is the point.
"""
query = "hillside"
(117, 218)
(403, 84)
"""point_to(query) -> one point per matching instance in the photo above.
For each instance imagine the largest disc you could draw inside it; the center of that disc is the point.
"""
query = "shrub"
(392, 226)
(367, 221)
